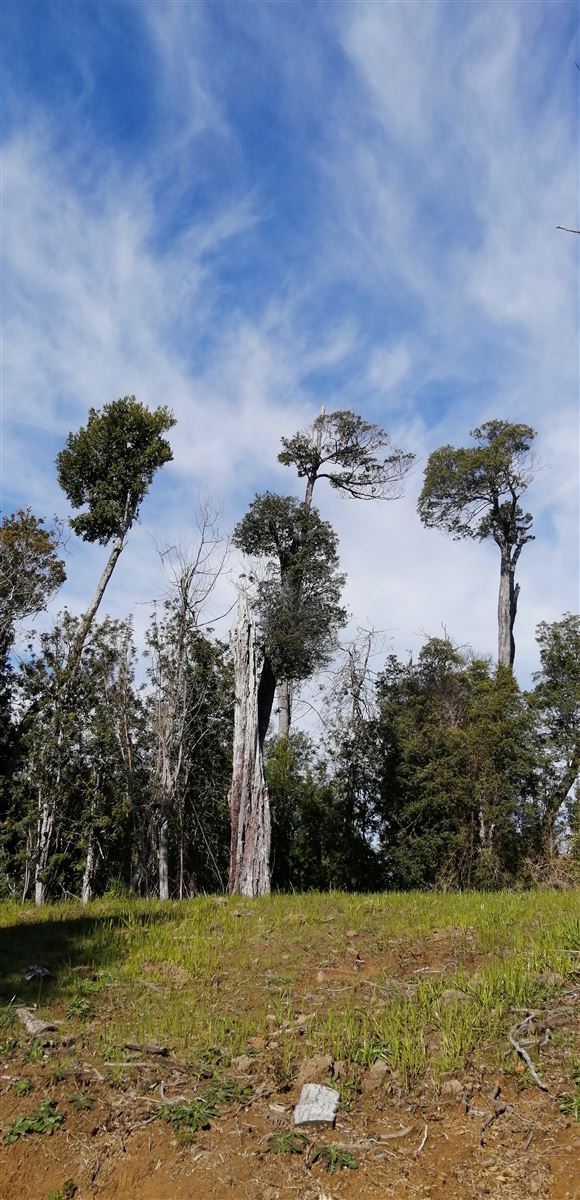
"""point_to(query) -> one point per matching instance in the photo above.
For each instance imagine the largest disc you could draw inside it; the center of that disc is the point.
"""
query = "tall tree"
(107, 468)
(352, 455)
(475, 492)
(30, 573)
(555, 703)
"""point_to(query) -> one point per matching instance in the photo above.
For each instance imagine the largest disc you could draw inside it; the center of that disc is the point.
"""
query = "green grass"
(214, 978)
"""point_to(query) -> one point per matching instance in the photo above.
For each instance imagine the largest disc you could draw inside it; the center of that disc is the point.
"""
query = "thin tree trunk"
(88, 618)
(505, 613)
(164, 857)
(43, 846)
(284, 697)
(249, 801)
(87, 885)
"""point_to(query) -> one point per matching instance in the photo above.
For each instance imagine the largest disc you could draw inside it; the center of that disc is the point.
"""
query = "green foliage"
(298, 599)
(30, 569)
(192, 1115)
(474, 492)
(109, 464)
(23, 1086)
(80, 1007)
(45, 1119)
(334, 1159)
(68, 1191)
(454, 761)
(287, 1142)
(79, 1101)
(350, 453)
(570, 1105)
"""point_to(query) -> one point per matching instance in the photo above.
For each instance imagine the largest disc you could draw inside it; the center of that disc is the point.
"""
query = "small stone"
(453, 1087)
(350, 933)
(375, 1076)
(243, 1063)
(321, 977)
(312, 1070)
(317, 1105)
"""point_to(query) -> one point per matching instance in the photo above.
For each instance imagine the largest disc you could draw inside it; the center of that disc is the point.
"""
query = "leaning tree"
(106, 469)
(474, 492)
(297, 605)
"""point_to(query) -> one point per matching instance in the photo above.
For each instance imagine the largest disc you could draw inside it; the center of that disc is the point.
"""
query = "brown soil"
(123, 1150)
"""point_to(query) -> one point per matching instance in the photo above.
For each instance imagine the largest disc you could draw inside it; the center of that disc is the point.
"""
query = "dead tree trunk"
(248, 799)
(507, 607)
(284, 697)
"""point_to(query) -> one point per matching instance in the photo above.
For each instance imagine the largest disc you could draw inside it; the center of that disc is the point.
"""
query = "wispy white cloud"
(430, 291)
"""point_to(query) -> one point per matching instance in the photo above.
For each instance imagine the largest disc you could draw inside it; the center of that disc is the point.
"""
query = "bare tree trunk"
(88, 618)
(284, 696)
(87, 885)
(43, 845)
(506, 612)
(248, 799)
(164, 857)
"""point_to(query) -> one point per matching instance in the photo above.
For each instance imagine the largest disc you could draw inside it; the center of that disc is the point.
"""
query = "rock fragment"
(318, 1105)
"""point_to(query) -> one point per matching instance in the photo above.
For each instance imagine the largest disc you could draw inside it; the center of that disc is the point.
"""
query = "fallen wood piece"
(33, 1025)
(370, 1142)
(37, 971)
(526, 1058)
(397, 1133)
(132, 1063)
(421, 1145)
(318, 1105)
(499, 1110)
(150, 1048)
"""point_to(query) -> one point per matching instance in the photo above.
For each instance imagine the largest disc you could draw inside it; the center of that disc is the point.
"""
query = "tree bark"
(87, 885)
(43, 846)
(284, 697)
(249, 801)
(164, 857)
(89, 616)
(507, 605)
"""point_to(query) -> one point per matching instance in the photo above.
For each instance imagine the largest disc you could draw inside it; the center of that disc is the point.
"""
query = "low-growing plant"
(80, 1007)
(287, 1142)
(79, 1101)
(190, 1115)
(68, 1191)
(571, 1105)
(334, 1159)
(23, 1086)
(45, 1119)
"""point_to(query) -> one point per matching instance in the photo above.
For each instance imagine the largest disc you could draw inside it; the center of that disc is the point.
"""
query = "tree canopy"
(474, 491)
(353, 454)
(108, 466)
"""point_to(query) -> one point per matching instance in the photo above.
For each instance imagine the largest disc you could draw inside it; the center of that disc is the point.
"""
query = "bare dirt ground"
(480, 1133)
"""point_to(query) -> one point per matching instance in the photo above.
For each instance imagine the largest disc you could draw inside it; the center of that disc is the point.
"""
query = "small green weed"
(79, 1101)
(190, 1116)
(333, 1159)
(81, 1008)
(57, 1072)
(571, 1105)
(68, 1191)
(23, 1086)
(45, 1120)
(287, 1142)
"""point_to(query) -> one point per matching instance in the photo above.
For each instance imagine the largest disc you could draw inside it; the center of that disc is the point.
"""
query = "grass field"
(241, 993)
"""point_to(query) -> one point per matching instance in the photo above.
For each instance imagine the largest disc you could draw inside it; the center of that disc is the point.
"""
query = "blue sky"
(244, 210)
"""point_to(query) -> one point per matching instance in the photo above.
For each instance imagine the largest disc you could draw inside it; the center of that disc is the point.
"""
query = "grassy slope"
(428, 982)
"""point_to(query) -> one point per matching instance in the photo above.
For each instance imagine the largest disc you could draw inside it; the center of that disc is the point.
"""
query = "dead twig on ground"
(421, 1145)
(523, 1054)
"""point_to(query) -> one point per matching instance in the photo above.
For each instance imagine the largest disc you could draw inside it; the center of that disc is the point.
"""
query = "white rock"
(318, 1105)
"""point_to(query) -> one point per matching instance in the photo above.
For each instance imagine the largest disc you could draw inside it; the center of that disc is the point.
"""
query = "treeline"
(117, 761)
